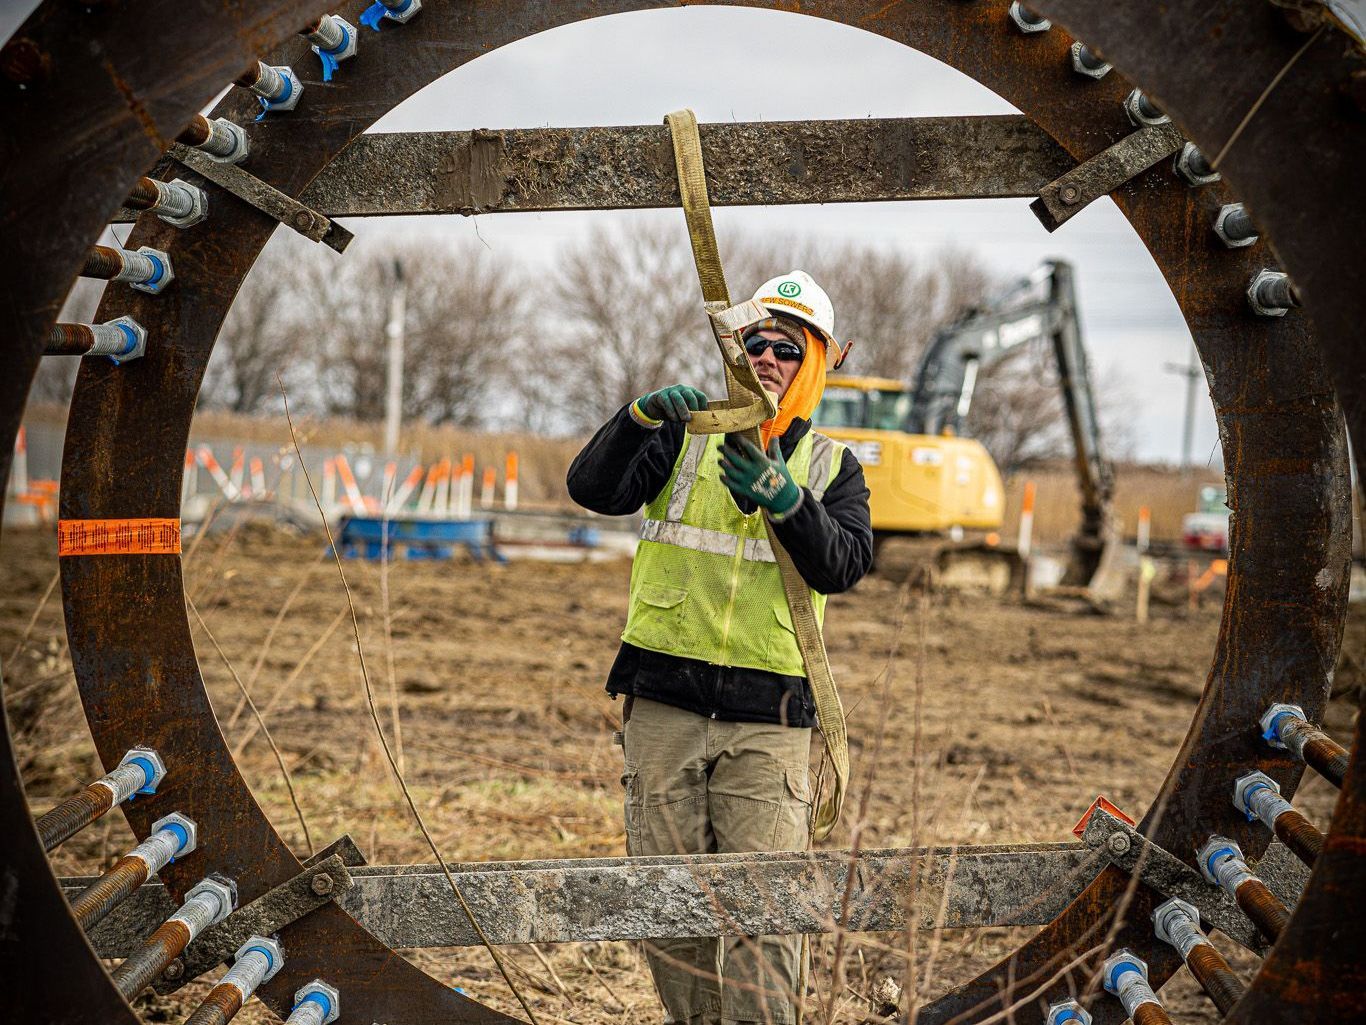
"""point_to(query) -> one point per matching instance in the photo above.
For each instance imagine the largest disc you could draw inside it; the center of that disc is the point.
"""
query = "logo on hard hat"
(789, 289)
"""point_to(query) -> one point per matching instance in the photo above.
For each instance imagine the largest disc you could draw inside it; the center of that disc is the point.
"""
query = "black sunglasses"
(788, 352)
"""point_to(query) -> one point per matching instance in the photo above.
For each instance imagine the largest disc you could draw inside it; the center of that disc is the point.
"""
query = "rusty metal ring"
(1282, 442)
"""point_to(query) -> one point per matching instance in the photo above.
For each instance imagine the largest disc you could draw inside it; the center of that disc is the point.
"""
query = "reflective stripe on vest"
(705, 583)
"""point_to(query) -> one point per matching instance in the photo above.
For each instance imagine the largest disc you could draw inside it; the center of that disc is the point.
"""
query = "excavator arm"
(1042, 305)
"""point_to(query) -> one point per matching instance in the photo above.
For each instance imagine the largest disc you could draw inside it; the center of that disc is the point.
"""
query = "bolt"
(322, 884)
(1118, 843)
(1070, 194)
(174, 970)
(303, 220)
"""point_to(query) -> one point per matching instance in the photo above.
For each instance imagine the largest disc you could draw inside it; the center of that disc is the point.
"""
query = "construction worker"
(718, 713)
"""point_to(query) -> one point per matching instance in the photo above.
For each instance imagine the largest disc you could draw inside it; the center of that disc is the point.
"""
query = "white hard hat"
(797, 295)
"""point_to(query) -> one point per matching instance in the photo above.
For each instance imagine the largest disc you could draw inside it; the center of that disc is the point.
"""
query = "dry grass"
(998, 723)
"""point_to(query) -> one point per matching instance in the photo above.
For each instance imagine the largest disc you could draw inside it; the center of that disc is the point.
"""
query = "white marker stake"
(258, 478)
(510, 483)
(486, 491)
(1145, 519)
(1026, 536)
(405, 491)
(329, 485)
(225, 485)
(239, 466)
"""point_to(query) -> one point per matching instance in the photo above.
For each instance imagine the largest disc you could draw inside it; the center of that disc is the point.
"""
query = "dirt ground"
(999, 723)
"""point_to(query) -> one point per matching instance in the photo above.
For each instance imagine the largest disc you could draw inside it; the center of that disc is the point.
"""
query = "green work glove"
(675, 402)
(763, 479)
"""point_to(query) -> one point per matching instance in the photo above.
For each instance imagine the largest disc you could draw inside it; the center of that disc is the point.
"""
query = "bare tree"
(628, 319)
(463, 311)
(267, 328)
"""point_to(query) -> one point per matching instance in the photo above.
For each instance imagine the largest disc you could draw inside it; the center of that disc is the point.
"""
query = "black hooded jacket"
(625, 466)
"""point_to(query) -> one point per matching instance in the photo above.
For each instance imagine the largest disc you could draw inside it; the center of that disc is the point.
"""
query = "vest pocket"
(657, 617)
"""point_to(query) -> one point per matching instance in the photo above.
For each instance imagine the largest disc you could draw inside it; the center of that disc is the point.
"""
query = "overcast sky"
(747, 65)
(608, 71)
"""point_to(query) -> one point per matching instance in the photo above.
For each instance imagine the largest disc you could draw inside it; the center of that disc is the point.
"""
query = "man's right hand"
(675, 402)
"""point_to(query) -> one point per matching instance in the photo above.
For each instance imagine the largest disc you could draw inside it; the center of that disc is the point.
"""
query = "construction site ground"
(972, 720)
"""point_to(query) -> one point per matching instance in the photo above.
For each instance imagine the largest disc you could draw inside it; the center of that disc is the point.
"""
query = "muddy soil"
(972, 721)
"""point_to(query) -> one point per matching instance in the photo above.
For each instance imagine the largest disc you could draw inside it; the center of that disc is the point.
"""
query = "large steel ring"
(1276, 391)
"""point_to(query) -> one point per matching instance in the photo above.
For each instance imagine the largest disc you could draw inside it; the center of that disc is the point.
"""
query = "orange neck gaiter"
(803, 394)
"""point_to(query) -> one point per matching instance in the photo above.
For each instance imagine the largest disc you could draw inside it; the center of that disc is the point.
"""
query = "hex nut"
(241, 143)
(296, 90)
(1133, 107)
(139, 346)
(1184, 166)
(270, 944)
(221, 887)
(1066, 1012)
(199, 206)
(1021, 19)
(1079, 65)
(1125, 956)
(1221, 227)
(1211, 845)
(331, 993)
(146, 753)
(167, 272)
(347, 51)
(1164, 914)
(191, 830)
(322, 884)
(1118, 843)
(1269, 716)
(1254, 300)
(406, 16)
(1243, 785)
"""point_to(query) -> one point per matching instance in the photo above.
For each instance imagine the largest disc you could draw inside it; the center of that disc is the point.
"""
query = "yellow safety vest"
(704, 583)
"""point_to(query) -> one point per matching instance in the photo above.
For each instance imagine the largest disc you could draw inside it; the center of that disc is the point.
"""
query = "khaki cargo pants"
(694, 786)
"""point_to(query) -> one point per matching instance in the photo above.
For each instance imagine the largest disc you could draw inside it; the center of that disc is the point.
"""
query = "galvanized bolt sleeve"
(175, 200)
(327, 33)
(310, 1012)
(247, 972)
(1134, 991)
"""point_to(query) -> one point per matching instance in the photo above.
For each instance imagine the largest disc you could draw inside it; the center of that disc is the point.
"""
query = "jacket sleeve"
(831, 541)
(624, 465)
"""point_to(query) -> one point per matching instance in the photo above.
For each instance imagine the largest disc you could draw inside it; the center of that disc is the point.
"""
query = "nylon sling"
(746, 406)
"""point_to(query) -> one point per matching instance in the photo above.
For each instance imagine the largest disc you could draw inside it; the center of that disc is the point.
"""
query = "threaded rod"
(1215, 976)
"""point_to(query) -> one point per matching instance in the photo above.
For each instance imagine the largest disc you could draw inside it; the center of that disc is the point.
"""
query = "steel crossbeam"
(563, 901)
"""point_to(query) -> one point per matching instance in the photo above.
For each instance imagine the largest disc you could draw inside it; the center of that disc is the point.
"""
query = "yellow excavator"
(929, 482)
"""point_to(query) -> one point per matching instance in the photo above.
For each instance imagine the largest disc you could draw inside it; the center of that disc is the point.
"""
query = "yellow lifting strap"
(747, 406)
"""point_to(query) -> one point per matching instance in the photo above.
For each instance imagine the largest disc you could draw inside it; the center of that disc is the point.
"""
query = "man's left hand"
(762, 478)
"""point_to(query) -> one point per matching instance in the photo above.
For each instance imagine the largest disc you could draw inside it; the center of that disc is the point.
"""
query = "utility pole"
(393, 400)
(1193, 372)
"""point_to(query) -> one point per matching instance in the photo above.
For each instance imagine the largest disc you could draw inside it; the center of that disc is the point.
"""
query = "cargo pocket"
(634, 809)
(794, 814)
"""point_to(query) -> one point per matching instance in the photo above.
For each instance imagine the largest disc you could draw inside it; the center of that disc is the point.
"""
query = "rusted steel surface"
(1283, 444)
(1059, 201)
(83, 112)
(271, 913)
(1164, 873)
(218, 1008)
(632, 167)
(108, 891)
(149, 960)
(1215, 976)
(74, 814)
(102, 262)
(69, 340)
(1259, 904)
(1151, 1014)
(1297, 167)
(1328, 758)
(1300, 835)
